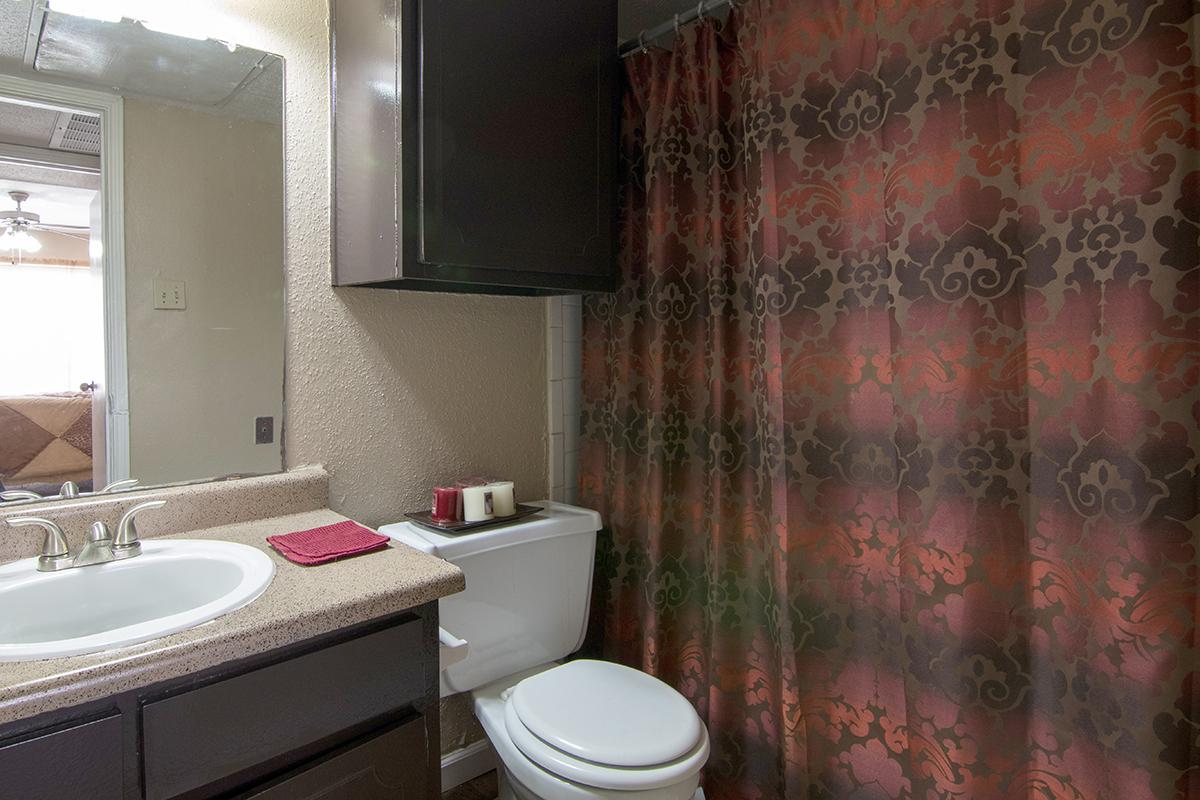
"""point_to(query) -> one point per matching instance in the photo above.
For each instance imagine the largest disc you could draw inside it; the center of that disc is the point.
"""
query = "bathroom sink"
(174, 585)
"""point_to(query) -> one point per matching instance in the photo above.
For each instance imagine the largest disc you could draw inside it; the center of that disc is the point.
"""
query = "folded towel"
(327, 543)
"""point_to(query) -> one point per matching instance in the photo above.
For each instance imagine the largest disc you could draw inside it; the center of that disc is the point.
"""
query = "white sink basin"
(174, 585)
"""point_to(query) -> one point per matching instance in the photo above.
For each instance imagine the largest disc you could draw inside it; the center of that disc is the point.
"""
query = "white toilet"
(580, 729)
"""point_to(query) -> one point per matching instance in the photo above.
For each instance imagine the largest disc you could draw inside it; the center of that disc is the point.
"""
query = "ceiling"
(635, 16)
(48, 176)
(58, 205)
(14, 25)
(138, 62)
(49, 128)
(27, 125)
(30, 126)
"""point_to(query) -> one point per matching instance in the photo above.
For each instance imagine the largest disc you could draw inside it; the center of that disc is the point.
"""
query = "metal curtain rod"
(703, 9)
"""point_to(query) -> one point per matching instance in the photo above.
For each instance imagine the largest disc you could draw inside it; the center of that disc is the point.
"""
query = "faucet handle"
(56, 554)
(126, 539)
(12, 495)
(119, 486)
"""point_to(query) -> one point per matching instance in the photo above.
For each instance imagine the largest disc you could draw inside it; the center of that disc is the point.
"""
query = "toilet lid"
(607, 714)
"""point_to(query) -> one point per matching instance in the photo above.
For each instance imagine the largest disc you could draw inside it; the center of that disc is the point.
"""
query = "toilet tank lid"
(555, 519)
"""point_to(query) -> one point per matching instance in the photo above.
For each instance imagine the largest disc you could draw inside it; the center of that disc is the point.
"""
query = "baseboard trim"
(465, 763)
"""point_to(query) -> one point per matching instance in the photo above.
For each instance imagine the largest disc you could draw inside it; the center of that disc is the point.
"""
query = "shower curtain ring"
(700, 11)
(642, 42)
(676, 24)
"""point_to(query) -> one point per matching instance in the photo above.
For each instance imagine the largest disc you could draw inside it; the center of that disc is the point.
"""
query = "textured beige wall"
(392, 391)
(203, 205)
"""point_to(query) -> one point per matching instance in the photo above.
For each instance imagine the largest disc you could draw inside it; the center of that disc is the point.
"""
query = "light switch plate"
(170, 295)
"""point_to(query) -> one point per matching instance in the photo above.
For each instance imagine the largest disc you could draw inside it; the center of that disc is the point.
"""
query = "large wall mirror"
(141, 253)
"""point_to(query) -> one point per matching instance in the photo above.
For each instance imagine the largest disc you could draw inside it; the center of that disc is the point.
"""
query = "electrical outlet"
(170, 295)
(264, 430)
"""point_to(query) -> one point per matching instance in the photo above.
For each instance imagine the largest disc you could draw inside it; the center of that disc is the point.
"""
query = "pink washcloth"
(327, 543)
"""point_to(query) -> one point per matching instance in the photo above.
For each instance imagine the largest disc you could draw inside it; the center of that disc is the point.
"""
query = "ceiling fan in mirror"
(18, 226)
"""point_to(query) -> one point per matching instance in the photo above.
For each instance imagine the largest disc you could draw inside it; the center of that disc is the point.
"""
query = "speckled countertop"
(300, 603)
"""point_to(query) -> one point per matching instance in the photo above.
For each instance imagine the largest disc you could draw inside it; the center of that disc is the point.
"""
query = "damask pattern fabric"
(895, 417)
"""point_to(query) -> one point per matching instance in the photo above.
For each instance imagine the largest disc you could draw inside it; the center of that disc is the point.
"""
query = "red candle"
(447, 504)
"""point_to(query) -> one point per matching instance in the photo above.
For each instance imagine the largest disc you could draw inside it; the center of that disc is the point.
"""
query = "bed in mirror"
(141, 254)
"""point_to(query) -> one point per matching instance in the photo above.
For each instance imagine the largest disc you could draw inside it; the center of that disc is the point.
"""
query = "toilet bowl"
(579, 730)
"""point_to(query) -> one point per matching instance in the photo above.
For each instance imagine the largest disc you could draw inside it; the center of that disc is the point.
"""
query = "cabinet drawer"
(391, 765)
(83, 761)
(226, 729)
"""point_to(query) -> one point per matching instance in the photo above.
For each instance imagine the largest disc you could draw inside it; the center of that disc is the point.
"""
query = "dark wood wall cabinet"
(474, 145)
(351, 716)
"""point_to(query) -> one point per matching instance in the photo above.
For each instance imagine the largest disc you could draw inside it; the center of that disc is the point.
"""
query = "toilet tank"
(528, 589)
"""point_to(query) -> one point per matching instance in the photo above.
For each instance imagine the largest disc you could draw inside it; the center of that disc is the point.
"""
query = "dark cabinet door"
(80, 761)
(386, 766)
(518, 136)
(220, 734)
(474, 145)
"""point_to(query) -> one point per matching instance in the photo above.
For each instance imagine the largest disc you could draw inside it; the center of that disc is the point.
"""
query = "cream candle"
(477, 503)
(503, 500)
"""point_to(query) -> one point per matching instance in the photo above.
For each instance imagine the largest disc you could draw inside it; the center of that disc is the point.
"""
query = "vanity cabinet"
(474, 145)
(82, 759)
(350, 715)
(373, 769)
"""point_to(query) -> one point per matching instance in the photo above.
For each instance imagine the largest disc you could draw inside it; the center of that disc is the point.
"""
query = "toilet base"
(511, 789)
(507, 792)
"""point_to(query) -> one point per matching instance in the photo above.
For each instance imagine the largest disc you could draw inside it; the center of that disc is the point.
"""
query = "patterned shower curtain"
(895, 418)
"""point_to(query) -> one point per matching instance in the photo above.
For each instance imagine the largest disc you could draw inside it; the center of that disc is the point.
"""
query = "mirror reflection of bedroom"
(141, 255)
(51, 301)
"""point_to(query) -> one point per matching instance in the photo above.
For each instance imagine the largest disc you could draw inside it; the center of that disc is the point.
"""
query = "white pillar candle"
(503, 501)
(477, 503)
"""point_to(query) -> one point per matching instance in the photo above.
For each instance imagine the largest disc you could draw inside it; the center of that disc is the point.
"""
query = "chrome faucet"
(68, 491)
(100, 547)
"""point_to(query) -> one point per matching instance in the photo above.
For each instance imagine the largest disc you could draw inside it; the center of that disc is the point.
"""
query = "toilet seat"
(607, 726)
(601, 776)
